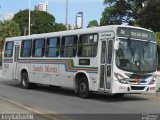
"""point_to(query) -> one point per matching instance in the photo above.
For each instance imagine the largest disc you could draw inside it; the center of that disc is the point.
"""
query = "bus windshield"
(136, 56)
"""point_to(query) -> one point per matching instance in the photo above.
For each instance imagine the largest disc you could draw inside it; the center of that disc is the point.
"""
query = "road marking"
(44, 113)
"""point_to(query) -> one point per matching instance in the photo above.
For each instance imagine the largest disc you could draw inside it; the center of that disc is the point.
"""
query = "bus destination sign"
(135, 33)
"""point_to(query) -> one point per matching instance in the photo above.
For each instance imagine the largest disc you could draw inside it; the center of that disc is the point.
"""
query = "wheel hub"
(82, 87)
(23, 82)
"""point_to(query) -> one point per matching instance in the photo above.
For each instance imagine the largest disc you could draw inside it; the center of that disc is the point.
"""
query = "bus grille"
(137, 87)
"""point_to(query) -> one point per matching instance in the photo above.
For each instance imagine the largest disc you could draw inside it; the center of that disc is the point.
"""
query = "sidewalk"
(8, 108)
(11, 111)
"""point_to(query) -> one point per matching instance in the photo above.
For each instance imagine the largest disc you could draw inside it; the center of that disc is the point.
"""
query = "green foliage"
(115, 12)
(93, 23)
(158, 38)
(144, 13)
(120, 11)
(158, 48)
(8, 28)
(149, 16)
(109, 17)
(59, 27)
(41, 22)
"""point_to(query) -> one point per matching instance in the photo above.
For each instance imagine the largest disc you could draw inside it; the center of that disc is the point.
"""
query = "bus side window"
(8, 49)
(26, 48)
(38, 47)
(87, 46)
(69, 46)
(52, 47)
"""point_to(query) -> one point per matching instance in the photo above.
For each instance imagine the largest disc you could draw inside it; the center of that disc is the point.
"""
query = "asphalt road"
(63, 101)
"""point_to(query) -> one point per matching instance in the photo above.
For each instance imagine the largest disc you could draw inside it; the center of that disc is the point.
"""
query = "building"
(70, 27)
(42, 6)
(7, 16)
(79, 20)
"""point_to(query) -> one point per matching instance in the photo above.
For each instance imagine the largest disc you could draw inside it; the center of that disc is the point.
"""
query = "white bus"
(112, 59)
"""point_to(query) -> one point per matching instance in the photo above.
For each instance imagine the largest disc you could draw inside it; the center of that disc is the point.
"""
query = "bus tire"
(83, 88)
(25, 81)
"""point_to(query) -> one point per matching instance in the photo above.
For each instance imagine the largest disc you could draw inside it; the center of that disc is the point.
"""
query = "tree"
(158, 49)
(59, 27)
(92, 23)
(158, 38)
(120, 11)
(109, 17)
(8, 28)
(149, 16)
(41, 22)
(115, 12)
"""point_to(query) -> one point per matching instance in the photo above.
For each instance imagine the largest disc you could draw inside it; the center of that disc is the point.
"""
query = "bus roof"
(72, 32)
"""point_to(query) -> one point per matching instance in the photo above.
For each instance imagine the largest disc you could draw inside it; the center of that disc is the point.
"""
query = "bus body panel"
(7, 67)
(61, 71)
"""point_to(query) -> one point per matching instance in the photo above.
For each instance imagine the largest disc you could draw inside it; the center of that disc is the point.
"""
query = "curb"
(44, 113)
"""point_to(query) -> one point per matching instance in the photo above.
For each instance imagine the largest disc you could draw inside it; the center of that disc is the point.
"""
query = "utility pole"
(29, 19)
(66, 12)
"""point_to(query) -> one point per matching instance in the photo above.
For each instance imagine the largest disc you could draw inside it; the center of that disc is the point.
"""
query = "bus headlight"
(153, 80)
(120, 78)
(123, 81)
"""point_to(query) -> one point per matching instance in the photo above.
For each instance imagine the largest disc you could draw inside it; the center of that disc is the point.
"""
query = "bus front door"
(15, 62)
(106, 64)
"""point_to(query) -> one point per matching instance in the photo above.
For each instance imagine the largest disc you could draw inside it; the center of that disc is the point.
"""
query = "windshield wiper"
(147, 43)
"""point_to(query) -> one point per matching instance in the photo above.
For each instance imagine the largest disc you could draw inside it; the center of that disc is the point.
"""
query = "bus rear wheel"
(25, 81)
(83, 88)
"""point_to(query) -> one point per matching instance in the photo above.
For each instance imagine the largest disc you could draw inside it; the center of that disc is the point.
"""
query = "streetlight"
(29, 19)
(66, 12)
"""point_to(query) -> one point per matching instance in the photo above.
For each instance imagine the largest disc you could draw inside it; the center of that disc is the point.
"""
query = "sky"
(92, 9)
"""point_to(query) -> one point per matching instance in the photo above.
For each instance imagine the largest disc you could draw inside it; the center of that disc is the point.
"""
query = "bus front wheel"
(83, 88)
(24, 81)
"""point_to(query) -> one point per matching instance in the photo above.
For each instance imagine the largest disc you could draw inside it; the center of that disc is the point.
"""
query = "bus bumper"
(133, 88)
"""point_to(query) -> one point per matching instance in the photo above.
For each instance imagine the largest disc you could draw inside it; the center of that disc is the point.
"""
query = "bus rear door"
(15, 60)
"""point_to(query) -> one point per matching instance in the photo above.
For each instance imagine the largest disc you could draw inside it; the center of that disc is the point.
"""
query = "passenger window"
(8, 49)
(26, 48)
(52, 47)
(87, 46)
(69, 46)
(38, 47)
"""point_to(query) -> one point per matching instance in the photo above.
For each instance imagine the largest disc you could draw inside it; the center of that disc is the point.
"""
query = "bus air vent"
(137, 87)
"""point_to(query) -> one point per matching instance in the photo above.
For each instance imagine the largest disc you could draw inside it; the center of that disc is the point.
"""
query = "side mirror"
(116, 44)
